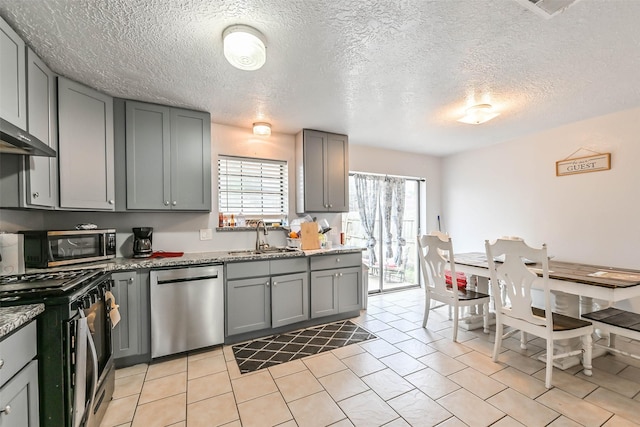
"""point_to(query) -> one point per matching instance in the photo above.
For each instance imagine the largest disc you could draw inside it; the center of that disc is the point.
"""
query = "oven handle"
(94, 380)
(84, 340)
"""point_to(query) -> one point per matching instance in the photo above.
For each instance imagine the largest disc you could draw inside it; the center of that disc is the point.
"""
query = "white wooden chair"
(433, 250)
(517, 311)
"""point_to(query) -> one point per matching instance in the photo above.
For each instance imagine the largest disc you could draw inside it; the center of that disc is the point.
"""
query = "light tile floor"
(408, 376)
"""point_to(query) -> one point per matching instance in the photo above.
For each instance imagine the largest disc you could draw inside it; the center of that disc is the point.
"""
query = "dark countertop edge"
(12, 318)
(196, 258)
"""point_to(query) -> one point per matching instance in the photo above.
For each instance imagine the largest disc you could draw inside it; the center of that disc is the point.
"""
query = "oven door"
(90, 340)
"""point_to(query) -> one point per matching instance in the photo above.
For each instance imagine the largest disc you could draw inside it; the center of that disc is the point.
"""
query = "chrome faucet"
(261, 245)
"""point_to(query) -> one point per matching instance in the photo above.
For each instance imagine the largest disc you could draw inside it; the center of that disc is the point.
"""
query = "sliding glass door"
(383, 217)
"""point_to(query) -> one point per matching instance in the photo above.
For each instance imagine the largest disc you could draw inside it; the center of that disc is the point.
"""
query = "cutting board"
(309, 231)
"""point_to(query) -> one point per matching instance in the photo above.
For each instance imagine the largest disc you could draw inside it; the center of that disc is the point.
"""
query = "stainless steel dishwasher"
(187, 309)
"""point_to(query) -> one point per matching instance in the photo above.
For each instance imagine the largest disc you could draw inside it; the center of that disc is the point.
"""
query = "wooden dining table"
(574, 286)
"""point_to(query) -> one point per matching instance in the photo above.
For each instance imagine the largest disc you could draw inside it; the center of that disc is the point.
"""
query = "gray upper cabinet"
(85, 147)
(168, 158)
(13, 107)
(32, 181)
(41, 173)
(322, 160)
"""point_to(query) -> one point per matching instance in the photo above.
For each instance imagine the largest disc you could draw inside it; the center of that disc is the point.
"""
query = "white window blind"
(255, 187)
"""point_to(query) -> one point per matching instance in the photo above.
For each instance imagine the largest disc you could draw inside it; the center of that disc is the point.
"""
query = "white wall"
(382, 161)
(180, 231)
(512, 189)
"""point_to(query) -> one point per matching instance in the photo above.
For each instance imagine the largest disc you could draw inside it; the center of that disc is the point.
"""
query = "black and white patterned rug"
(276, 349)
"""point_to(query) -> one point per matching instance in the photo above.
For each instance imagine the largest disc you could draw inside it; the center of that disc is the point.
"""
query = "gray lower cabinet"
(248, 305)
(168, 158)
(85, 147)
(266, 294)
(131, 337)
(289, 299)
(336, 284)
(13, 107)
(19, 379)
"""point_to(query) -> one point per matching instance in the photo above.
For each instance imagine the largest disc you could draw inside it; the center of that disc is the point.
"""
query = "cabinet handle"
(1, 363)
(336, 275)
(275, 284)
(267, 284)
(166, 203)
(174, 203)
(6, 410)
(340, 274)
(337, 259)
(36, 195)
(130, 279)
(23, 137)
(330, 205)
(111, 202)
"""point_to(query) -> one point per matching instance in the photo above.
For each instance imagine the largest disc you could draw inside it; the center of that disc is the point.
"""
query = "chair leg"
(427, 309)
(587, 346)
(456, 313)
(523, 340)
(486, 317)
(498, 343)
(549, 371)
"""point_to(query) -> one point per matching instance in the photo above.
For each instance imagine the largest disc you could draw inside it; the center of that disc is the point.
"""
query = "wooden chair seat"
(616, 322)
(562, 322)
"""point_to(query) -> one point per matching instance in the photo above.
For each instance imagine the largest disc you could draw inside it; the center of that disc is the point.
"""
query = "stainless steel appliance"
(142, 240)
(75, 364)
(14, 140)
(44, 248)
(187, 309)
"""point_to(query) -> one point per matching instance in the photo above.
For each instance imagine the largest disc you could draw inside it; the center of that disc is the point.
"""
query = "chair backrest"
(513, 274)
(436, 256)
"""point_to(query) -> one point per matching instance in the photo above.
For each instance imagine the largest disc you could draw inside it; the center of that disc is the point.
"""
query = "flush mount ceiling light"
(478, 114)
(262, 129)
(244, 47)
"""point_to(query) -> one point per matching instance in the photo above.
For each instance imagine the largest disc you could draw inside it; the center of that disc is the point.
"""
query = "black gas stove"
(44, 285)
(75, 363)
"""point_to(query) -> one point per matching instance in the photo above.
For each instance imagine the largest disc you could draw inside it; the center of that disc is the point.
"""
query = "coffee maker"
(142, 237)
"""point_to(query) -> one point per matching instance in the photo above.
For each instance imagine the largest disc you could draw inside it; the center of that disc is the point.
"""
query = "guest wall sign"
(594, 163)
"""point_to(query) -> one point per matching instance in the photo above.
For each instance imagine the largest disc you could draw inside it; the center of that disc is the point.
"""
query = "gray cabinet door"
(337, 173)
(85, 147)
(41, 173)
(248, 305)
(148, 156)
(324, 293)
(315, 196)
(190, 160)
(20, 394)
(13, 107)
(126, 335)
(289, 299)
(349, 289)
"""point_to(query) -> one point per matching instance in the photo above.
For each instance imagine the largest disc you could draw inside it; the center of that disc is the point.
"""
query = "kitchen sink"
(273, 250)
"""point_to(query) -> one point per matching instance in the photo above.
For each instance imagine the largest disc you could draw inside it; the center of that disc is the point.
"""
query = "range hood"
(16, 141)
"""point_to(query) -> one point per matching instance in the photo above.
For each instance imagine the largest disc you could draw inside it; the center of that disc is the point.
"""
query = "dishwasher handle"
(186, 279)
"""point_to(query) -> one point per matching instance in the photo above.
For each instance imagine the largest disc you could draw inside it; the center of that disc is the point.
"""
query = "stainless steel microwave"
(43, 248)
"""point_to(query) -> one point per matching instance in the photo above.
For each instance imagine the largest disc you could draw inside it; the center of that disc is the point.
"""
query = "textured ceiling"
(389, 73)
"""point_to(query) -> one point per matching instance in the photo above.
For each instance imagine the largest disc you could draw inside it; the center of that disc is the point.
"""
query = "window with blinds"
(255, 187)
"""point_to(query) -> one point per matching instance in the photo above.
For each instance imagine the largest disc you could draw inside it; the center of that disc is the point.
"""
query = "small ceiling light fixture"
(262, 129)
(244, 47)
(478, 114)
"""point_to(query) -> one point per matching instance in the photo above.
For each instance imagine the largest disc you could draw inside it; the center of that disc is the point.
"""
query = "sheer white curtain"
(368, 195)
(393, 210)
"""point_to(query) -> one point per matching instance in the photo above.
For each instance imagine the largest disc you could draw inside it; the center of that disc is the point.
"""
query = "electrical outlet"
(206, 234)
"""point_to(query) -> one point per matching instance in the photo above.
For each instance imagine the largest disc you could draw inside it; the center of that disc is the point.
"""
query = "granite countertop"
(11, 318)
(195, 258)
